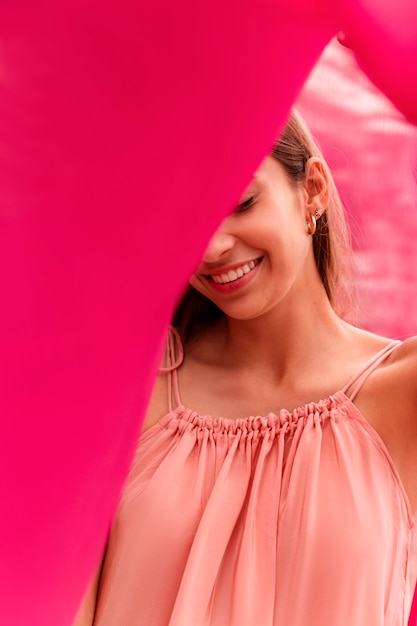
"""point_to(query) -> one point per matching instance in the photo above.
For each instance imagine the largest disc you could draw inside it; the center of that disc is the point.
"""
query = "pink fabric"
(128, 129)
(297, 518)
(383, 35)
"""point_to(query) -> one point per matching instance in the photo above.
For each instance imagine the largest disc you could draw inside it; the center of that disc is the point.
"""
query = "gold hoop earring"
(312, 225)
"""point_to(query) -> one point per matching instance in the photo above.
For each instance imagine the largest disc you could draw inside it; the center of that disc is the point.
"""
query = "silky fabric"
(285, 520)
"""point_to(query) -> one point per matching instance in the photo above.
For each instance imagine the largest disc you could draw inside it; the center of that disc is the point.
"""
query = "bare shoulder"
(408, 350)
(86, 611)
(394, 382)
(403, 366)
(388, 398)
(400, 427)
(172, 361)
(388, 401)
(158, 402)
(401, 362)
(406, 361)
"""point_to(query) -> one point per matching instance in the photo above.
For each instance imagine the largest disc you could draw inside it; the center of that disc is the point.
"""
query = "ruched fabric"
(285, 520)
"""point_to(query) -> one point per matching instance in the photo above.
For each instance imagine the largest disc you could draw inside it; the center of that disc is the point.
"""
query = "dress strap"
(174, 356)
(359, 378)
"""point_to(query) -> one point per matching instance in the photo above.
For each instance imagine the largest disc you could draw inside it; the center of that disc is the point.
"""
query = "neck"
(285, 339)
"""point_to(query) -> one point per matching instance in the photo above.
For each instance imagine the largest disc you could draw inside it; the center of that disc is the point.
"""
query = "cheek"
(196, 282)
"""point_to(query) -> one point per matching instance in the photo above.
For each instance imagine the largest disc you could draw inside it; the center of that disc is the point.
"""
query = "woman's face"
(262, 252)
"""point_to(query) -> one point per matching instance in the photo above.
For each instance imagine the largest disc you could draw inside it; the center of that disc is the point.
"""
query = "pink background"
(372, 151)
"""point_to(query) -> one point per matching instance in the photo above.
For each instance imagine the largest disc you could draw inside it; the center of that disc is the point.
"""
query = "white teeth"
(233, 275)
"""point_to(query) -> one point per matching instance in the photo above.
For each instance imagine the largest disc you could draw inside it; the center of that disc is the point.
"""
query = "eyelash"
(245, 205)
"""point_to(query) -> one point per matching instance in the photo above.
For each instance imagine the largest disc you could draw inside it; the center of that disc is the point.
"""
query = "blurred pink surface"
(372, 151)
(128, 130)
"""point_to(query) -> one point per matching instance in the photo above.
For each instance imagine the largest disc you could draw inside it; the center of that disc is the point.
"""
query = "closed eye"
(245, 204)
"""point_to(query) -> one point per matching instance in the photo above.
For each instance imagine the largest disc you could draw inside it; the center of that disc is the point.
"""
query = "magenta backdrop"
(127, 130)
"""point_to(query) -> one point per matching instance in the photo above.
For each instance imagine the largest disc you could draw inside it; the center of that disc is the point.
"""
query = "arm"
(400, 403)
(85, 615)
(158, 406)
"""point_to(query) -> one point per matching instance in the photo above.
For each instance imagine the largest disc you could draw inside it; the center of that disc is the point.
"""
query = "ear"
(316, 187)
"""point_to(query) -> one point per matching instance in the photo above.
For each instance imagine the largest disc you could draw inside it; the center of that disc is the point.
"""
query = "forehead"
(269, 172)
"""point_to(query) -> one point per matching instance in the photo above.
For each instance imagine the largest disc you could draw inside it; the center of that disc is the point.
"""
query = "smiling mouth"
(233, 275)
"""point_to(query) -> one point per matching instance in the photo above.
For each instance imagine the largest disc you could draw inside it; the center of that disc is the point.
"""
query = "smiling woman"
(294, 153)
(275, 482)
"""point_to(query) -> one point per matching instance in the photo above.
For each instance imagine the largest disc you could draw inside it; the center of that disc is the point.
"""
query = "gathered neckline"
(337, 407)
(335, 403)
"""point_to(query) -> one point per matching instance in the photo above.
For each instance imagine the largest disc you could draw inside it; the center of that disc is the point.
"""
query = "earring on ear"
(317, 213)
(311, 225)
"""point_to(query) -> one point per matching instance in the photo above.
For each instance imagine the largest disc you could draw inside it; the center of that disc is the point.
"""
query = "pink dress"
(293, 519)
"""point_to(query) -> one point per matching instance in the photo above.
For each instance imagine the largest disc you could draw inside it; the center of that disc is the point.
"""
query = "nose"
(221, 242)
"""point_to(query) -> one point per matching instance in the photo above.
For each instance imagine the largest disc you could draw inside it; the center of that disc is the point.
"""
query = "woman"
(276, 479)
